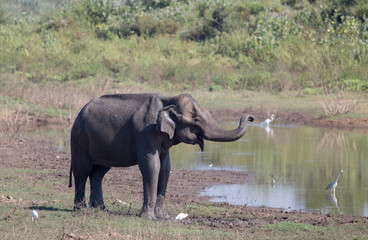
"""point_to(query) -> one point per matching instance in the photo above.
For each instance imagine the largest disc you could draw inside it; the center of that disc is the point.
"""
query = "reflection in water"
(343, 141)
(333, 200)
(273, 182)
(268, 130)
(253, 194)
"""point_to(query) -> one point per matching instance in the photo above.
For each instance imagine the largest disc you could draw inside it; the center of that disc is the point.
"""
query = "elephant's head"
(190, 123)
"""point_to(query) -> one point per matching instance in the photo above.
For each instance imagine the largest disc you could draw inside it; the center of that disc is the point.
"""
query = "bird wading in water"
(267, 121)
(333, 184)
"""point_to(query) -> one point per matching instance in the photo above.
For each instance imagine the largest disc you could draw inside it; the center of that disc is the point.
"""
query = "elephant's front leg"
(149, 165)
(162, 184)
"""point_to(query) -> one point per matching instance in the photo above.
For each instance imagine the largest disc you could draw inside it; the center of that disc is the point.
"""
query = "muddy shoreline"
(282, 117)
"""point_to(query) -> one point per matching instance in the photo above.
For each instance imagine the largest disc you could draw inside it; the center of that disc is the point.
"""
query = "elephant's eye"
(197, 119)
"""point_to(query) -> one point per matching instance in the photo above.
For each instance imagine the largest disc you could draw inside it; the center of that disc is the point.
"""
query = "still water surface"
(301, 160)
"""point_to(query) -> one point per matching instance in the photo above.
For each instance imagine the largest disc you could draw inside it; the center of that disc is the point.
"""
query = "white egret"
(34, 215)
(118, 201)
(267, 121)
(333, 184)
(181, 216)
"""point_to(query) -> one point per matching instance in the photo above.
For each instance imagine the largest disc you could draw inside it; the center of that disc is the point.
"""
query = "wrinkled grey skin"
(128, 129)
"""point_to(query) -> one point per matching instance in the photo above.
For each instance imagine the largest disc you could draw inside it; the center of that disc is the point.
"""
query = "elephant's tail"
(70, 176)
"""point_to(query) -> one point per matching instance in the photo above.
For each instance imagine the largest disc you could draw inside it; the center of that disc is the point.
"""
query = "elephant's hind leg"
(96, 176)
(80, 172)
(80, 187)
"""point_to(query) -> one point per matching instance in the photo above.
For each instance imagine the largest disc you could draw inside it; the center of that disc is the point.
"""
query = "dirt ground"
(18, 152)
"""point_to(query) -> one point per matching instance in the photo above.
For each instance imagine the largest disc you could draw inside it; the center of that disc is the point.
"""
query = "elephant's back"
(104, 126)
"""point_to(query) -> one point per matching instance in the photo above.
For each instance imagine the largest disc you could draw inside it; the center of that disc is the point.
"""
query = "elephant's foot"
(161, 214)
(98, 205)
(160, 206)
(148, 214)
(79, 205)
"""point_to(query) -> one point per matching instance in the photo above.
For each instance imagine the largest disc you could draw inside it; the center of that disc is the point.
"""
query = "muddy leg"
(161, 188)
(149, 165)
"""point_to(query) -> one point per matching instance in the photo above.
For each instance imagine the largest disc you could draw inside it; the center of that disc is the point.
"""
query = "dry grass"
(13, 122)
(66, 99)
(337, 101)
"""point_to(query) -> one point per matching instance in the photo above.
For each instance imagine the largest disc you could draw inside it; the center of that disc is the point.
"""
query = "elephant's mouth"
(200, 142)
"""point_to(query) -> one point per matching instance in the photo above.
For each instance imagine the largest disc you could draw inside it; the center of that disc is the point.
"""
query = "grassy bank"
(311, 47)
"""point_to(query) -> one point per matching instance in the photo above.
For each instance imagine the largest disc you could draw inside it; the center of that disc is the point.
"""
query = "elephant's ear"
(165, 121)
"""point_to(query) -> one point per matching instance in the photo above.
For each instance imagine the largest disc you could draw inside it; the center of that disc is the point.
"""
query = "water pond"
(301, 161)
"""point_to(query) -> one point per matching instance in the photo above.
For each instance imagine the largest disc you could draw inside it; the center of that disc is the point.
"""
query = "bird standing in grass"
(181, 216)
(333, 184)
(34, 215)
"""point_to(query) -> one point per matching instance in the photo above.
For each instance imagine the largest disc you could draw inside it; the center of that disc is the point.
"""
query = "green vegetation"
(55, 56)
(290, 226)
(184, 45)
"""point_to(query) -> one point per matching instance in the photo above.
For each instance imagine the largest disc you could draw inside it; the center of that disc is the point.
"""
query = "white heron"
(333, 184)
(267, 121)
(181, 216)
(34, 215)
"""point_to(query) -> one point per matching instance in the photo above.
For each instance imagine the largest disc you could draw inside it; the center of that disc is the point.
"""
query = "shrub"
(356, 84)
(208, 28)
(336, 9)
(310, 91)
(256, 7)
(215, 88)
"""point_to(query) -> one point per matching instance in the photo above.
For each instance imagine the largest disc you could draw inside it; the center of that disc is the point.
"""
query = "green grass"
(290, 227)
(294, 230)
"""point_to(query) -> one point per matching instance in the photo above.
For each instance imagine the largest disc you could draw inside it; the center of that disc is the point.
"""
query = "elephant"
(122, 130)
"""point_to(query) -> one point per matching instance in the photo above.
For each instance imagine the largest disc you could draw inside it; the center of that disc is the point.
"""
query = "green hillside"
(182, 45)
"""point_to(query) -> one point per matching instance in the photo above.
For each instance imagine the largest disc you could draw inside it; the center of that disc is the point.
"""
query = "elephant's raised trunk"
(220, 135)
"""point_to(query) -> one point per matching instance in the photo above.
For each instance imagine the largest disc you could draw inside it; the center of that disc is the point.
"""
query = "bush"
(310, 91)
(256, 7)
(215, 88)
(148, 26)
(336, 9)
(208, 28)
(356, 84)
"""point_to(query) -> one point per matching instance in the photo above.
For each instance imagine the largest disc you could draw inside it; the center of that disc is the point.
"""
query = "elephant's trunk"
(220, 135)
